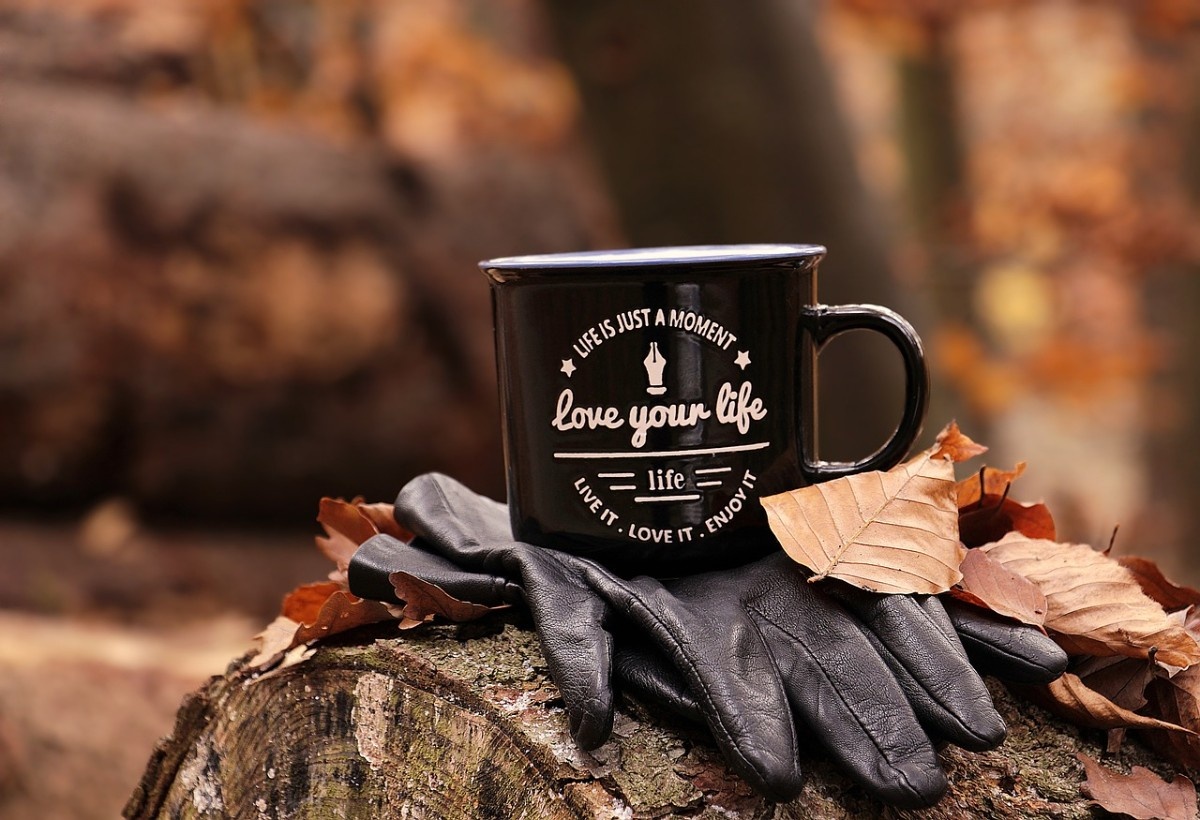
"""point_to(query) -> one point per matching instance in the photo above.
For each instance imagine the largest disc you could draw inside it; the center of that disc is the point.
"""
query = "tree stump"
(447, 722)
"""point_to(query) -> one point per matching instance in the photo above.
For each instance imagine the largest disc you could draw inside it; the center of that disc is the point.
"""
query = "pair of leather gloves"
(767, 660)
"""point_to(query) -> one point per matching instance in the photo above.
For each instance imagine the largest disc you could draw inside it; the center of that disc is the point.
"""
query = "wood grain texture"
(438, 724)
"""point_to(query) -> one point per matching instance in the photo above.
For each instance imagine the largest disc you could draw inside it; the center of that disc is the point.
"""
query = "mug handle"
(823, 322)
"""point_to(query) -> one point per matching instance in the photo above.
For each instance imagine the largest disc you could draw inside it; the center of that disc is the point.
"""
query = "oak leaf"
(1069, 698)
(313, 612)
(1141, 794)
(894, 531)
(423, 601)
(986, 583)
(1093, 604)
(348, 524)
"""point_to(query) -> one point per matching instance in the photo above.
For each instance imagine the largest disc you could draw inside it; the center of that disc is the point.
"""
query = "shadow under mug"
(650, 396)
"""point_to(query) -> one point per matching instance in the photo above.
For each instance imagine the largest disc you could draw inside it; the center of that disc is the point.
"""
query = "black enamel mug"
(650, 396)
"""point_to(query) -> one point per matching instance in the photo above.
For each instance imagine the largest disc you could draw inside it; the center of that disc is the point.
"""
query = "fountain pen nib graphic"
(655, 362)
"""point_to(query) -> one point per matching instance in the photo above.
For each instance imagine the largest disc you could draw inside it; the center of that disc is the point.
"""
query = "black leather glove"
(739, 649)
(874, 679)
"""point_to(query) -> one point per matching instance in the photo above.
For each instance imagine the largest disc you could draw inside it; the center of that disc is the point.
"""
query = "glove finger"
(452, 520)
(646, 674)
(918, 642)
(1011, 652)
(844, 693)
(571, 623)
(474, 532)
(731, 675)
(378, 557)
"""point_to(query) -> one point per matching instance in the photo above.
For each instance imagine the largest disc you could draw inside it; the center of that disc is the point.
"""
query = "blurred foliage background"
(237, 237)
(238, 243)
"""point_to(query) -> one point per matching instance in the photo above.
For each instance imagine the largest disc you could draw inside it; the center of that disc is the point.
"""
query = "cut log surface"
(445, 722)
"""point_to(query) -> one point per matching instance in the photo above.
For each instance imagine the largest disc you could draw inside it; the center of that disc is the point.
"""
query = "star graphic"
(743, 359)
(568, 367)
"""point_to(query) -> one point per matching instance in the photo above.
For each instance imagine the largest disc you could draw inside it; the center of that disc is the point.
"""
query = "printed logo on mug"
(650, 396)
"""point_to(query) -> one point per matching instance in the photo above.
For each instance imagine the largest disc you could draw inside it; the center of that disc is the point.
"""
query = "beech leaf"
(1141, 794)
(1093, 604)
(1069, 698)
(988, 584)
(894, 531)
(1177, 700)
(1150, 578)
(1121, 680)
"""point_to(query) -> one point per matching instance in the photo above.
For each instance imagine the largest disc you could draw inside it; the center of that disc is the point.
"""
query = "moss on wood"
(444, 722)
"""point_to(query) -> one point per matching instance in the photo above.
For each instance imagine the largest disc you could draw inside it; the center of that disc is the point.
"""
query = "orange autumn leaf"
(320, 616)
(988, 481)
(303, 604)
(383, 519)
(996, 516)
(341, 612)
(1141, 794)
(893, 531)
(348, 524)
(987, 584)
(1094, 605)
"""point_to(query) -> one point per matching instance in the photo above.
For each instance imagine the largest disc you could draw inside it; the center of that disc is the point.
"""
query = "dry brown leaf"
(382, 517)
(1069, 698)
(1150, 578)
(348, 524)
(987, 584)
(424, 601)
(894, 531)
(1141, 794)
(1177, 700)
(1093, 604)
(341, 612)
(274, 641)
(986, 513)
(1121, 680)
(988, 481)
(324, 610)
(997, 516)
(955, 445)
(303, 604)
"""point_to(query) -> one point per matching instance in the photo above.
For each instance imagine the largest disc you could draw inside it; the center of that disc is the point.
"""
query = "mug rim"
(667, 256)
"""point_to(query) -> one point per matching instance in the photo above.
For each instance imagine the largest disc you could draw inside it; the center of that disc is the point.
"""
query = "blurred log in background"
(238, 247)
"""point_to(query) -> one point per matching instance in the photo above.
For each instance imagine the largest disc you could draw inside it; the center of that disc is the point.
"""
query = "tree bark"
(447, 722)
